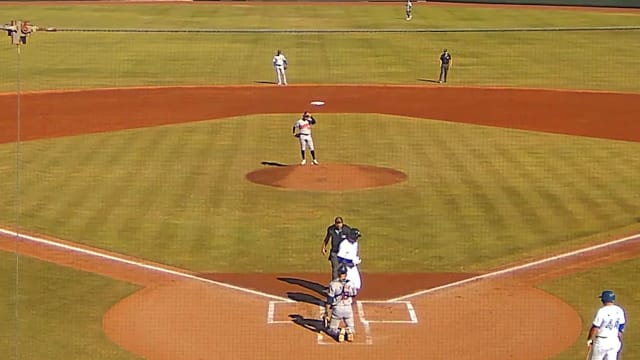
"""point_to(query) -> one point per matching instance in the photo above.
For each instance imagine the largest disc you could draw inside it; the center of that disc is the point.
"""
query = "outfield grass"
(538, 59)
(581, 291)
(476, 197)
(52, 312)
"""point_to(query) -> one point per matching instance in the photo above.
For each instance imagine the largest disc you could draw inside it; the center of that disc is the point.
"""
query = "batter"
(349, 255)
(605, 336)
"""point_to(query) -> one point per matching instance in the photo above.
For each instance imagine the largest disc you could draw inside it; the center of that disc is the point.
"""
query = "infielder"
(349, 255)
(280, 64)
(605, 336)
(407, 9)
(338, 307)
(303, 127)
(445, 65)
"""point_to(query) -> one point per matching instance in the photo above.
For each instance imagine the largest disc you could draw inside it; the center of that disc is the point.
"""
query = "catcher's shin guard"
(342, 335)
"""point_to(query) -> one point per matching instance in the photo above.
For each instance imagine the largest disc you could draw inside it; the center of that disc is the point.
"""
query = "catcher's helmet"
(608, 296)
(354, 234)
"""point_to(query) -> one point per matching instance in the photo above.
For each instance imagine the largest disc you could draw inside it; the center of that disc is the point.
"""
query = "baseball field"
(153, 205)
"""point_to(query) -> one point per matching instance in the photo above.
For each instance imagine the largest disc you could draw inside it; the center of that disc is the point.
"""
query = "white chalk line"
(517, 268)
(186, 275)
(413, 318)
(156, 268)
(365, 323)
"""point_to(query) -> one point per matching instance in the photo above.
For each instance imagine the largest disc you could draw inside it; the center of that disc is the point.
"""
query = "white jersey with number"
(348, 250)
(608, 320)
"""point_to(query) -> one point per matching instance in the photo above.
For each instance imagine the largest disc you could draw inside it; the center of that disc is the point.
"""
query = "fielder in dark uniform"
(336, 233)
(445, 64)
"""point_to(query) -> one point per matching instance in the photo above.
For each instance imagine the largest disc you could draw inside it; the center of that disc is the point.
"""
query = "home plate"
(317, 103)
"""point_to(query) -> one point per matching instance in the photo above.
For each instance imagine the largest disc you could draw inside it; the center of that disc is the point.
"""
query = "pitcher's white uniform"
(609, 321)
(348, 254)
(280, 65)
(303, 129)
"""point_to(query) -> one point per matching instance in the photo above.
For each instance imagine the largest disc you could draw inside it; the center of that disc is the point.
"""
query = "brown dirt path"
(595, 114)
(177, 318)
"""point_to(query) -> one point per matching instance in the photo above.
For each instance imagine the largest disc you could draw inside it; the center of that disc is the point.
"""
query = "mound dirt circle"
(326, 177)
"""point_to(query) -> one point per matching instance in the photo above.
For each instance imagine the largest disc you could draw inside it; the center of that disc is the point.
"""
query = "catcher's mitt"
(327, 320)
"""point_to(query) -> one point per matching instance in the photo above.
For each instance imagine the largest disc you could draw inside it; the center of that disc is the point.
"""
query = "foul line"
(181, 274)
(516, 268)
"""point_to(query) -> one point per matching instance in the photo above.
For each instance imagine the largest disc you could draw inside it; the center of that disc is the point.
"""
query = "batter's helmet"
(608, 296)
(342, 269)
(354, 234)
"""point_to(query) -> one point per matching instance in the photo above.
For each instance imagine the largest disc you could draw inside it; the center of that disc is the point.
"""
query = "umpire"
(336, 233)
(445, 63)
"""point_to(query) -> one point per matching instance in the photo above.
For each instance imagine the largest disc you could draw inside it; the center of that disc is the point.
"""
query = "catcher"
(280, 64)
(338, 307)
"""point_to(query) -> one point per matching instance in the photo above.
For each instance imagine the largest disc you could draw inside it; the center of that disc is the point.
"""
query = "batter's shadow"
(306, 298)
(310, 285)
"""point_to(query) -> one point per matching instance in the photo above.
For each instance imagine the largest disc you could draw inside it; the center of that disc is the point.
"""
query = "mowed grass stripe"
(542, 196)
(475, 196)
(595, 172)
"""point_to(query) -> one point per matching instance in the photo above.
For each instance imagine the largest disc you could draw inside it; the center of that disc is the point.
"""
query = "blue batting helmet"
(608, 296)
(354, 234)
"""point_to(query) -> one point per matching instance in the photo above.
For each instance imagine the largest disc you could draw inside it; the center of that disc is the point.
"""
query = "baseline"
(532, 264)
(137, 263)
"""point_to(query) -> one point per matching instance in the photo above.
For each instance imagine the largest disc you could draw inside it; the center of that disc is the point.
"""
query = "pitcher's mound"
(326, 177)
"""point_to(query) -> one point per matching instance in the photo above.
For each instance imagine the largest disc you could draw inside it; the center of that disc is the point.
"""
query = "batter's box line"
(413, 318)
(271, 312)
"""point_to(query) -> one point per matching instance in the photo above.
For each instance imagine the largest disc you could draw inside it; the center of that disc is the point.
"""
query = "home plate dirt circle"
(326, 177)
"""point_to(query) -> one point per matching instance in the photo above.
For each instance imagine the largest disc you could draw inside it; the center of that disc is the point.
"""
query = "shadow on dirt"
(315, 325)
(310, 285)
(306, 298)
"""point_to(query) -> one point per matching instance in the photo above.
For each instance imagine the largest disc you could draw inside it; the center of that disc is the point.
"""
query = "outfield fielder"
(605, 336)
(303, 127)
(349, 255)
(280, 64)
(338, 307)
(407, 9)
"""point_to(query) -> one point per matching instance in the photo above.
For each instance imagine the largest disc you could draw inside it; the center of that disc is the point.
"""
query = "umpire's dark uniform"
(445, 62)
(336, 235)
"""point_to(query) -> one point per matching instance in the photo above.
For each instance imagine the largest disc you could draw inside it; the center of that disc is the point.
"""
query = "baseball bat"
(589, 353)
